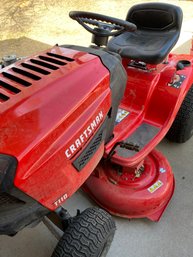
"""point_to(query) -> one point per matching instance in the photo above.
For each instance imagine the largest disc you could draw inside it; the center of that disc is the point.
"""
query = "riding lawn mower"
(91, 117)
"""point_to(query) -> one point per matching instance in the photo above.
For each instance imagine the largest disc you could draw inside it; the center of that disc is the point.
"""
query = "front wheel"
(182, 127)
(89, 235)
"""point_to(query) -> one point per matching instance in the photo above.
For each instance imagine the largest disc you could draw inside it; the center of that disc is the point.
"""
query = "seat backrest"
(156, 17)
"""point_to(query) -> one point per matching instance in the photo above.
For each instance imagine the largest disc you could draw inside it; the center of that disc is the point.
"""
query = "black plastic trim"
(15, 213)
(8, 165)
(91, 148)
(17, 210)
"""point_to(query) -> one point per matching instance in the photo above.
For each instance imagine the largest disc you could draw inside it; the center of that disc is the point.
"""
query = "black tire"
(182, 127)
(89, 235)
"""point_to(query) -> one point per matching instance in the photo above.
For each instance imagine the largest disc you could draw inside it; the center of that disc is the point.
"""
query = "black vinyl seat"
(158, 30)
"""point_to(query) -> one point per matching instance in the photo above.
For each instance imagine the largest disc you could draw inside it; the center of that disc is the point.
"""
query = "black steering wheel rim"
(118, 25)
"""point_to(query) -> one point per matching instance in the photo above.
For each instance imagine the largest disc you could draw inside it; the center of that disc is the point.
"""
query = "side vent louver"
(8, 87)
(52, 60)
(61, 57)
(44, 64)
(3, 97)
(16, 79)
(35, 68)
(26, 74)
(89, 151)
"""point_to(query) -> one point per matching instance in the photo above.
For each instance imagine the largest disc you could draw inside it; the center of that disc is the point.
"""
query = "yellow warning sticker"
(155, 186)
(121, 114)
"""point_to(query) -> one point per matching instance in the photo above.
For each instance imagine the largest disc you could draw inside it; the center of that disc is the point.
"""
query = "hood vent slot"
(44, 64)
(35, 68)
(26, 74)
(8, 87)
(3, 97)
(52, 60)
(16, 79)
(61, 57)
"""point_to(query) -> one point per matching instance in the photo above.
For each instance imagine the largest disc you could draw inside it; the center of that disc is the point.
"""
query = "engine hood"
(49, 95)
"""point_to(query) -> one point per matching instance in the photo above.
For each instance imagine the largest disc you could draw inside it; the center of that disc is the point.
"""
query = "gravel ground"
(48, 21)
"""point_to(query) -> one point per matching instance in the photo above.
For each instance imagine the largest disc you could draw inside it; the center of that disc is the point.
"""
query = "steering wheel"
(105, 26)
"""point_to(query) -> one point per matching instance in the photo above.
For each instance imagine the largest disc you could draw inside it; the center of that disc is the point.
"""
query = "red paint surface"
(124, 195)
(43, 120)
(149, 99)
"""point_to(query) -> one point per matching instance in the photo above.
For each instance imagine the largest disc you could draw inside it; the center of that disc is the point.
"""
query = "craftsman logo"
(155, 186)
(84, 136)
(60, 200)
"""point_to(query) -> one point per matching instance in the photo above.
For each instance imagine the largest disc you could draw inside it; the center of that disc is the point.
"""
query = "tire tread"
(180, 131)
(85, 236)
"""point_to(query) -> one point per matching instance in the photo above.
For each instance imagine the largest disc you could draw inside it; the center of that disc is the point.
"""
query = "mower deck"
(133, 194)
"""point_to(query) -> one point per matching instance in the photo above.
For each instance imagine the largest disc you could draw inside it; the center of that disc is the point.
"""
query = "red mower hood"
(48, 92)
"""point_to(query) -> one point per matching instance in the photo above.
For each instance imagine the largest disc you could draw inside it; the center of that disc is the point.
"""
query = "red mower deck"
(132, 193)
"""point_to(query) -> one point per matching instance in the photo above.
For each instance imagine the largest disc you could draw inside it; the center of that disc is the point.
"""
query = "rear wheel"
(182, 127)
(89, 235)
